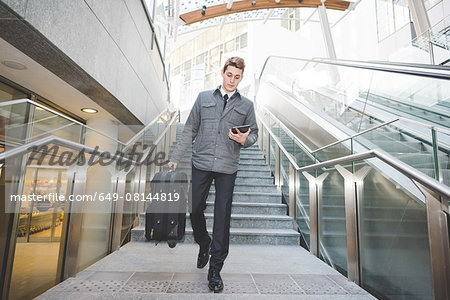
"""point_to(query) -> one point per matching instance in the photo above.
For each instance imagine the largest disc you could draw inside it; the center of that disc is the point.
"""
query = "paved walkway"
(145, 271)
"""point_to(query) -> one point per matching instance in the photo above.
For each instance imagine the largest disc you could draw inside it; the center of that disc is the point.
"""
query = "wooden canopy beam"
(246, 5)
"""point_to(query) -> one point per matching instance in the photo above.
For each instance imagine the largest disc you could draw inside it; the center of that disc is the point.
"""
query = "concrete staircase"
(258, 215)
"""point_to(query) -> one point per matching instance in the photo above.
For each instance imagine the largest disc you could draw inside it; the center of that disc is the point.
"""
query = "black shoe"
(203, 256)
(215, 281)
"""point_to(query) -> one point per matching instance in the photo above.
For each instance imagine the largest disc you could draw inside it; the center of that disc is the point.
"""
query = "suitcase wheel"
(172, 243)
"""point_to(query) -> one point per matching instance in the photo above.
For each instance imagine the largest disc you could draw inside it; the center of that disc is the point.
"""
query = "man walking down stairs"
(265, 258)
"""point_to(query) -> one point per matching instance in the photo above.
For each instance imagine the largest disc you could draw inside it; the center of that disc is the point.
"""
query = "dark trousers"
(224, 183)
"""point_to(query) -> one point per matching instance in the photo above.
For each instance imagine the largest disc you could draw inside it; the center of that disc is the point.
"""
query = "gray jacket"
(208, 126)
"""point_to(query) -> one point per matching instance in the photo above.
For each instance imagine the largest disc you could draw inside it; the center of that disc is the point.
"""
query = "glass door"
(38, 242)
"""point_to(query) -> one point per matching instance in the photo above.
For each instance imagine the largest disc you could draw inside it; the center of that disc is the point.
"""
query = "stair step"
(255, 236)
(254, 221)
(405, 147)
(238, 236)
(246, 162)
(242, 209)
(247, 187)
(242, 167)
(251, 197)
(252, 208)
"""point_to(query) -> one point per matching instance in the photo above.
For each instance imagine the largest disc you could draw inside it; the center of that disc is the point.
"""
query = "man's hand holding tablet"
(239, 133)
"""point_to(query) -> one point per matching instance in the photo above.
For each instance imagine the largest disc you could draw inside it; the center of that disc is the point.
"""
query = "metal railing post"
(118, 210)
(353, 194)
(73, 237)
(315, 195)
(268, 150)
(277, 167)
(438, 231)
(292, 193)
(437, 168)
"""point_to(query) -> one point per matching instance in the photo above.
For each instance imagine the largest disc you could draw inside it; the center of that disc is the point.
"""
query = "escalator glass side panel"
(444, 157)
(393, 240)
(332, 226)
(415, 152)
(335, 151)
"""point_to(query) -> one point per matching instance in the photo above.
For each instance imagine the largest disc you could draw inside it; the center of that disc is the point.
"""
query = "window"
(391, 16)
(243, 40)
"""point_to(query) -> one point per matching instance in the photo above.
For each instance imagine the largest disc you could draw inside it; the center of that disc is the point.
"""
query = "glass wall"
(8, 93)
(38, 243)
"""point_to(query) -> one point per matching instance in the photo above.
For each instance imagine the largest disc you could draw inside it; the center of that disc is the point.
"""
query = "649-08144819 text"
(54, 197)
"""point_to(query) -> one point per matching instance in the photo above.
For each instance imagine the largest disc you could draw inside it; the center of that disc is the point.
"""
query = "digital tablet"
(242, 128)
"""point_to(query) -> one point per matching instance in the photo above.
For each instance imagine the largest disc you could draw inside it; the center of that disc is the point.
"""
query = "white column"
(95, 231)
(326, 31)
(419, 15)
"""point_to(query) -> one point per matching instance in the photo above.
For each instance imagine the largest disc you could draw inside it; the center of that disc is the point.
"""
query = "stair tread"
(249, 231)
(254, 216)
(256, 231)
(252, 193)
(253, 204)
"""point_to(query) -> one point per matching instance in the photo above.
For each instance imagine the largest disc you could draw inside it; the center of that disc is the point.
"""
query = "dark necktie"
(225, 98)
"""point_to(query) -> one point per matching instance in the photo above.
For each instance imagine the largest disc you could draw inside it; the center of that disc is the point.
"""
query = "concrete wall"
(111, 40)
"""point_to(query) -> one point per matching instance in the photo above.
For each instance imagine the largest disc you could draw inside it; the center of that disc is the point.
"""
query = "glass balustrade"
(393, 238)
(41, 230)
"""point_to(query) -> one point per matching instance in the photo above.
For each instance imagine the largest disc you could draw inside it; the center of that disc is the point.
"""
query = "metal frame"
(394, 68)
(68, 258)
(437, 195)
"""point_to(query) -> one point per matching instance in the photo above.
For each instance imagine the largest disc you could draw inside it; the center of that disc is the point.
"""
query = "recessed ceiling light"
(14, 65)
(89, 110)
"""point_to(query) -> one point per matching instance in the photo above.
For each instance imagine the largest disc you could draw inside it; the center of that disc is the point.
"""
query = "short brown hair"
(236, 62)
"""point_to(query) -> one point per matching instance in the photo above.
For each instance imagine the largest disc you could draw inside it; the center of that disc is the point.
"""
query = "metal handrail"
(136, 136)
(391, 63)
(278, 142)
(355, 135)
(13, 102)
(360, 65)
(126, 144)
(431, 127)
(75, 146)
(427, 181)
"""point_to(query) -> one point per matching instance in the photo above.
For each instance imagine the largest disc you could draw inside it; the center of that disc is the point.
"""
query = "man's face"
(231, 78)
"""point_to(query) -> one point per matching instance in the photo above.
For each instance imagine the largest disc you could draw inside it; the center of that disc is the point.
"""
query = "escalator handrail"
(361, 65)
(392, 63)
(402, 167)
(299, 142)
(355, 135)
(414, 105)
(77, 146)
(431, 127)
(128, 143)
(275, 138)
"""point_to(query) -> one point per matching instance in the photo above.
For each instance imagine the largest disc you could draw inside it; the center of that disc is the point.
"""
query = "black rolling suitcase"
(165, 218)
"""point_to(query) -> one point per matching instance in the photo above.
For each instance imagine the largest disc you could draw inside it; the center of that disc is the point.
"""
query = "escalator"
(319, 117)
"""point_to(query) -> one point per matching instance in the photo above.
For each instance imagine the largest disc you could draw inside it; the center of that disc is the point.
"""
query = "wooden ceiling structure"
(249, 5)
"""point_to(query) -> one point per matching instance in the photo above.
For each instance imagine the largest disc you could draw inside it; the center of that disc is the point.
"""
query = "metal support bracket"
(353, 190)
(315, 195)
(437, 220)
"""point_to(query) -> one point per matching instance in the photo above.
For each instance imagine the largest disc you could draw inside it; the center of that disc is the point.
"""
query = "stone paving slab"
(149, 271)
